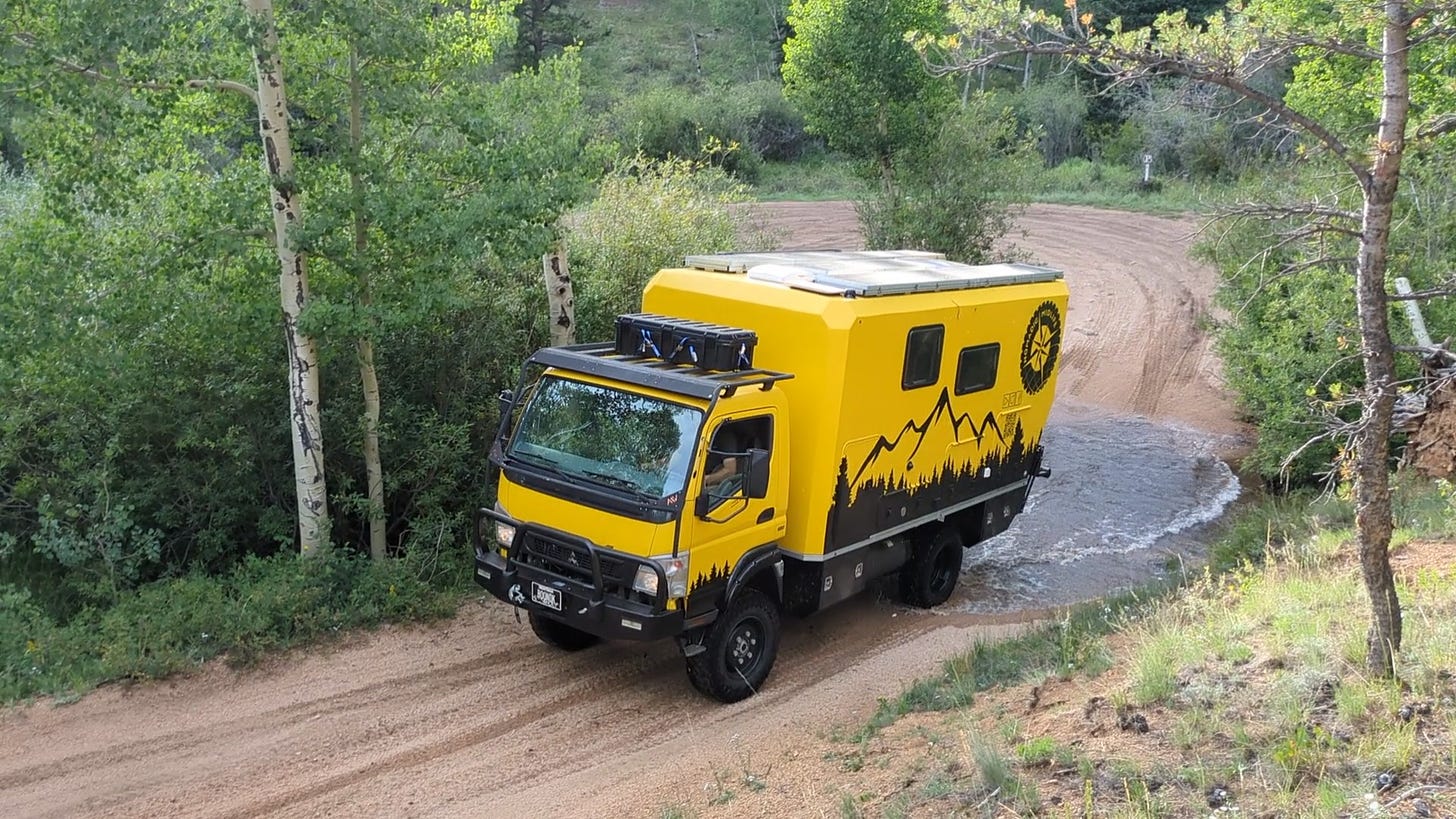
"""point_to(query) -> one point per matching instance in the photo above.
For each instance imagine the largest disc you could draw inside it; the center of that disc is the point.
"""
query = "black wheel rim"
(745, 646)
(947, 565)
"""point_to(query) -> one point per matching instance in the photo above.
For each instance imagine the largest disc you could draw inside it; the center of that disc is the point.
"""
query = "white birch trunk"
(560, 298)
(287, 204)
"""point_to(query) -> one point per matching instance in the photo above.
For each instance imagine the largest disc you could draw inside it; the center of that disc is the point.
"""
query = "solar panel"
(871, 272)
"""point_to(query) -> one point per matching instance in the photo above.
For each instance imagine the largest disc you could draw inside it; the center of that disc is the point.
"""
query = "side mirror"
(757, 480)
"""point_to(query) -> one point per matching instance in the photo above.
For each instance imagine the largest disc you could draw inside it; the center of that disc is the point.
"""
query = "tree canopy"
(1372, 48)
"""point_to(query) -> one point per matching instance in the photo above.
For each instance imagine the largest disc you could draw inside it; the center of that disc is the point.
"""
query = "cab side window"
(727, 462)
(922, 356)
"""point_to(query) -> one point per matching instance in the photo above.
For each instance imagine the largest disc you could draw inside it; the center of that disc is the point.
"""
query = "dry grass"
(1244, 695)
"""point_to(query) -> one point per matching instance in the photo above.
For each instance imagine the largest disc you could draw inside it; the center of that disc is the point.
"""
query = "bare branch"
(1311, 209)
(224, 85)
(1422, 295)
(1276, 106)
(1294, 42)
(1444, 124)
(1437, 351)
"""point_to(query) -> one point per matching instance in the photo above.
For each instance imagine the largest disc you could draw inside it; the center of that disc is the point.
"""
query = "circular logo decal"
(1040, 347)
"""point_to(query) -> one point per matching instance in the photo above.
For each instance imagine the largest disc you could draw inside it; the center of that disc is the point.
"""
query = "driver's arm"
(725, 470)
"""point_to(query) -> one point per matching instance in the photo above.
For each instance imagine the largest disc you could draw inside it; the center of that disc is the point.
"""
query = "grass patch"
(1251, 681)
(1072, 644)
(1094, 184)
(820, 177)
(264, 604)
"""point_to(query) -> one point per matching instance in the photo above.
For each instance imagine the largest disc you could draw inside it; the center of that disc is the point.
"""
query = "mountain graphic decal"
(943, 419)
(921, 472)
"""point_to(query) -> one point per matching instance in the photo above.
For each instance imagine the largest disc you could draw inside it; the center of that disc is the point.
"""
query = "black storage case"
(680, 341)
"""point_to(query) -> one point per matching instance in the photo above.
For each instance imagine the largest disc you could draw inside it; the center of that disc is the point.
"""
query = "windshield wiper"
(542, 464)
(619, 482)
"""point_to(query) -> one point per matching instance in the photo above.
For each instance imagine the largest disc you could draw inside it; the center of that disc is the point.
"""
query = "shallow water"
(1127, 500)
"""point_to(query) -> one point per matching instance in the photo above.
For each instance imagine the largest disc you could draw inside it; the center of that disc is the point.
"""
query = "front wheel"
(559, 635)
(929, 577)
(739, 650)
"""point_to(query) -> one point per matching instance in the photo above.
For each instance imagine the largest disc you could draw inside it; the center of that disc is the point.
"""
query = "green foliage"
(1054, 114)
(545, 28)
(145, 433)
(735, 129)
(721, 129)
(1139, 13)
(174, 625)
(817, 177)
(699, 45)
(649, 215)
(1289, 345)
(101, 546)
(944, 199)
(1286, 347)
(860, 85)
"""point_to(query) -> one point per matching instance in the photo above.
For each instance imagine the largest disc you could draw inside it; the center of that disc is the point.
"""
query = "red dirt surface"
(474, 717)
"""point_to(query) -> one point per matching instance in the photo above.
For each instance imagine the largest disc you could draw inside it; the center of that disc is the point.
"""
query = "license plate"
(545, 596)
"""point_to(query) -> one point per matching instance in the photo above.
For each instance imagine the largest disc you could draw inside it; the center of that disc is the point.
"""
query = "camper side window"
(922, 356)
(977, 368)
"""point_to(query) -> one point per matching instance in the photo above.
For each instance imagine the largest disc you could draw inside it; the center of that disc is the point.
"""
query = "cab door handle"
(766, 515)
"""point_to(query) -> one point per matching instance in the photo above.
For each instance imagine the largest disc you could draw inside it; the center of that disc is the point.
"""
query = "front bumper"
(593, 585)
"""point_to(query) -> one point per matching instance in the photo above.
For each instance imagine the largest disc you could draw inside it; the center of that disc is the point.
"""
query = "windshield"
(632, 442)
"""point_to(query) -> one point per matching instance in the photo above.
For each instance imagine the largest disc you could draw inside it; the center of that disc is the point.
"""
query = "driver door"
(729, 524)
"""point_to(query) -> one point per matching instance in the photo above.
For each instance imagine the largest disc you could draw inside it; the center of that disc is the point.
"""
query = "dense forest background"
(146, 470)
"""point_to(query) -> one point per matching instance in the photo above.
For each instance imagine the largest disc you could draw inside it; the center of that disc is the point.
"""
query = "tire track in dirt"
(474, 717)
(813, 651)
(357, 698)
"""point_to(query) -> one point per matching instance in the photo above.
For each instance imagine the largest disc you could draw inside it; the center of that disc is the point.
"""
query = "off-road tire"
(557, 634)
(934, 568)
(739, 649)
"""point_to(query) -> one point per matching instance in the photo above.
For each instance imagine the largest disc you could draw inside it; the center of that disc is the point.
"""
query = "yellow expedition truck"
(771, 434)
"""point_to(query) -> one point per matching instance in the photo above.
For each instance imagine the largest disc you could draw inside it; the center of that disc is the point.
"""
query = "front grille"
(575, 561)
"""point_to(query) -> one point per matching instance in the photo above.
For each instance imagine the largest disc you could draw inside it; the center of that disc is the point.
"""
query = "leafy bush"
(668, 122)
(776, 128)
(649, 214)
(145, 429)
(176, 624)
(1054, 115)
(1187, 129)
(957, 195)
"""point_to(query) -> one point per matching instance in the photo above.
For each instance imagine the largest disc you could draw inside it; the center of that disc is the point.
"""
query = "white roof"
(871, 272)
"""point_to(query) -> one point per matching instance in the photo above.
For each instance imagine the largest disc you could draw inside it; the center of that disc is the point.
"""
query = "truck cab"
(633, 497)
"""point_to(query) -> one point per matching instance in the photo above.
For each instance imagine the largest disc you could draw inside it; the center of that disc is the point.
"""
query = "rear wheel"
(559, 635)
(930, 575)
(739, 649)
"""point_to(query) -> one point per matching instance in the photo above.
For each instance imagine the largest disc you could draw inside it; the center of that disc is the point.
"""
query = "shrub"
(671, 122)
(649, 215)
(173, 625)
(956, 196)
(1054, 114)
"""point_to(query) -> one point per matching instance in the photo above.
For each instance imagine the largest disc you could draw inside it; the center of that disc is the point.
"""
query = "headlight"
(676, 569)
(504, 533)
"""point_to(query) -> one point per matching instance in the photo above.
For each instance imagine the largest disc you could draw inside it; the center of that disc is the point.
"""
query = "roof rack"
(871, 272)
(603, 360)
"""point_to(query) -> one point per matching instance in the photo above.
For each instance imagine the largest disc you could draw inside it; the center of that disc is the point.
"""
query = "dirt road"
(476, 718)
